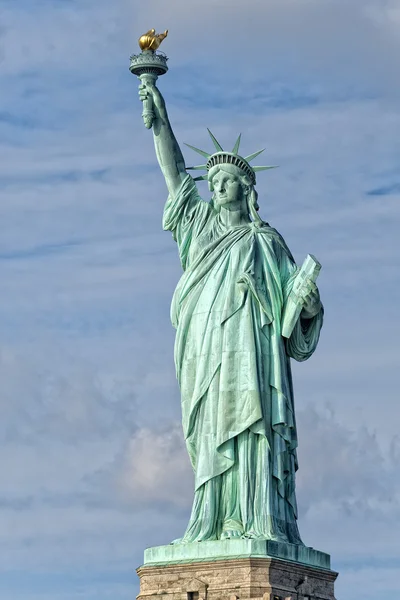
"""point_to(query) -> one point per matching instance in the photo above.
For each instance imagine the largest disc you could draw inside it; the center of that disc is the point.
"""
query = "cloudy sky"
(92, 465)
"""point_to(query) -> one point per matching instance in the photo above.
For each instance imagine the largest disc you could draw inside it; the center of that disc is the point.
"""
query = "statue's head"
(232, 187)
(230, 176)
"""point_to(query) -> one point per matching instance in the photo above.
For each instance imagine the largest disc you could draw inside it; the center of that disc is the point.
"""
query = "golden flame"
(151, 40)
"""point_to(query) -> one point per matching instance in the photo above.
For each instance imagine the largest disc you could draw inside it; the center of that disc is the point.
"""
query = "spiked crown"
(222, 157)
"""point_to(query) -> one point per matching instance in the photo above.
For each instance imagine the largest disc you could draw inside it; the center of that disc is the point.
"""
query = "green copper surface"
(231, 549)
(232, 361)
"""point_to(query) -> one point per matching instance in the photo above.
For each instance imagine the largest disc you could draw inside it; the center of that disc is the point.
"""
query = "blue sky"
(92, 463)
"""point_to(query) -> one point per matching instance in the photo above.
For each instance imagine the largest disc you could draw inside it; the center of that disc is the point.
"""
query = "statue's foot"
(228, 534)
(252, 535)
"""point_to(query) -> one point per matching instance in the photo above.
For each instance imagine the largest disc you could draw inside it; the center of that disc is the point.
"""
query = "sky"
(93, 468)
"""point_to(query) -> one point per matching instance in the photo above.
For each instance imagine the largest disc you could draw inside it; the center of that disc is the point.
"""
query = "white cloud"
(156, 469)
(386, 15)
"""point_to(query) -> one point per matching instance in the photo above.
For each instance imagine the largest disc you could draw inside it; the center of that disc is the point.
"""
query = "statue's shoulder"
(276, 239)
(271, 234)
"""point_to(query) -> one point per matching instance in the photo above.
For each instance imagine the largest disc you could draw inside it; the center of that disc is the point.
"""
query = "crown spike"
(251, 156)
(263, 168)
(217, 145)
(197, 168)
(237, 144)
(205, 154)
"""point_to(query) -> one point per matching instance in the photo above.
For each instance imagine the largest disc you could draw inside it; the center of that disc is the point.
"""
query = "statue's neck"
(233, 217)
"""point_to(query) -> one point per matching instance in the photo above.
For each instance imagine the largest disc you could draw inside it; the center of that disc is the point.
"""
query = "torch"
(148, 65)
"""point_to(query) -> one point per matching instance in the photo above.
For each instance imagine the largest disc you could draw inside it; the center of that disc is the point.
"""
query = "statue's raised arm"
(148, 66)
(168, 152)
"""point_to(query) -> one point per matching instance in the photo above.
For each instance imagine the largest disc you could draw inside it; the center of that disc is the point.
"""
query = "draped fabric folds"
(233, 368)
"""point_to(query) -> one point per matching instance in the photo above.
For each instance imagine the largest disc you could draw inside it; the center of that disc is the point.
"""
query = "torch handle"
(148, 112)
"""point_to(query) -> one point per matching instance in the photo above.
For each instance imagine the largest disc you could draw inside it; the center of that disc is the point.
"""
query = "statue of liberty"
(232, 361)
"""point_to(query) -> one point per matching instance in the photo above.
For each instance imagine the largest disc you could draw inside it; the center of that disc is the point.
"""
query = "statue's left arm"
(304, 338)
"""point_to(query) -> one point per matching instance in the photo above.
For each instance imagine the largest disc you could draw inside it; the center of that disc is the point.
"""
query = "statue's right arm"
(168, 152)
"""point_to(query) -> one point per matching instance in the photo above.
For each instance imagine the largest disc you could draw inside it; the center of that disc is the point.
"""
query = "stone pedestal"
(235, 577)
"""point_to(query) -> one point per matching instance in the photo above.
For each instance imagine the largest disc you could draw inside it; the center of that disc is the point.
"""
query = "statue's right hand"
(147, 90)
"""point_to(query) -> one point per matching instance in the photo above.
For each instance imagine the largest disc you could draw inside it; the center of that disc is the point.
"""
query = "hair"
(252, 196)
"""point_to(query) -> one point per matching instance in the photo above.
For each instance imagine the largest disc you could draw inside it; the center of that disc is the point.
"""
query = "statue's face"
(227, 188)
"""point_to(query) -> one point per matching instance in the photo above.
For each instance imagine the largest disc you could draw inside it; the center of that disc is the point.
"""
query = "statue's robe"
(233, 368)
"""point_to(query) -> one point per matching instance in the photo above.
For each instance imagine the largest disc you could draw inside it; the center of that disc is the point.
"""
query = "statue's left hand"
(311, 303)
